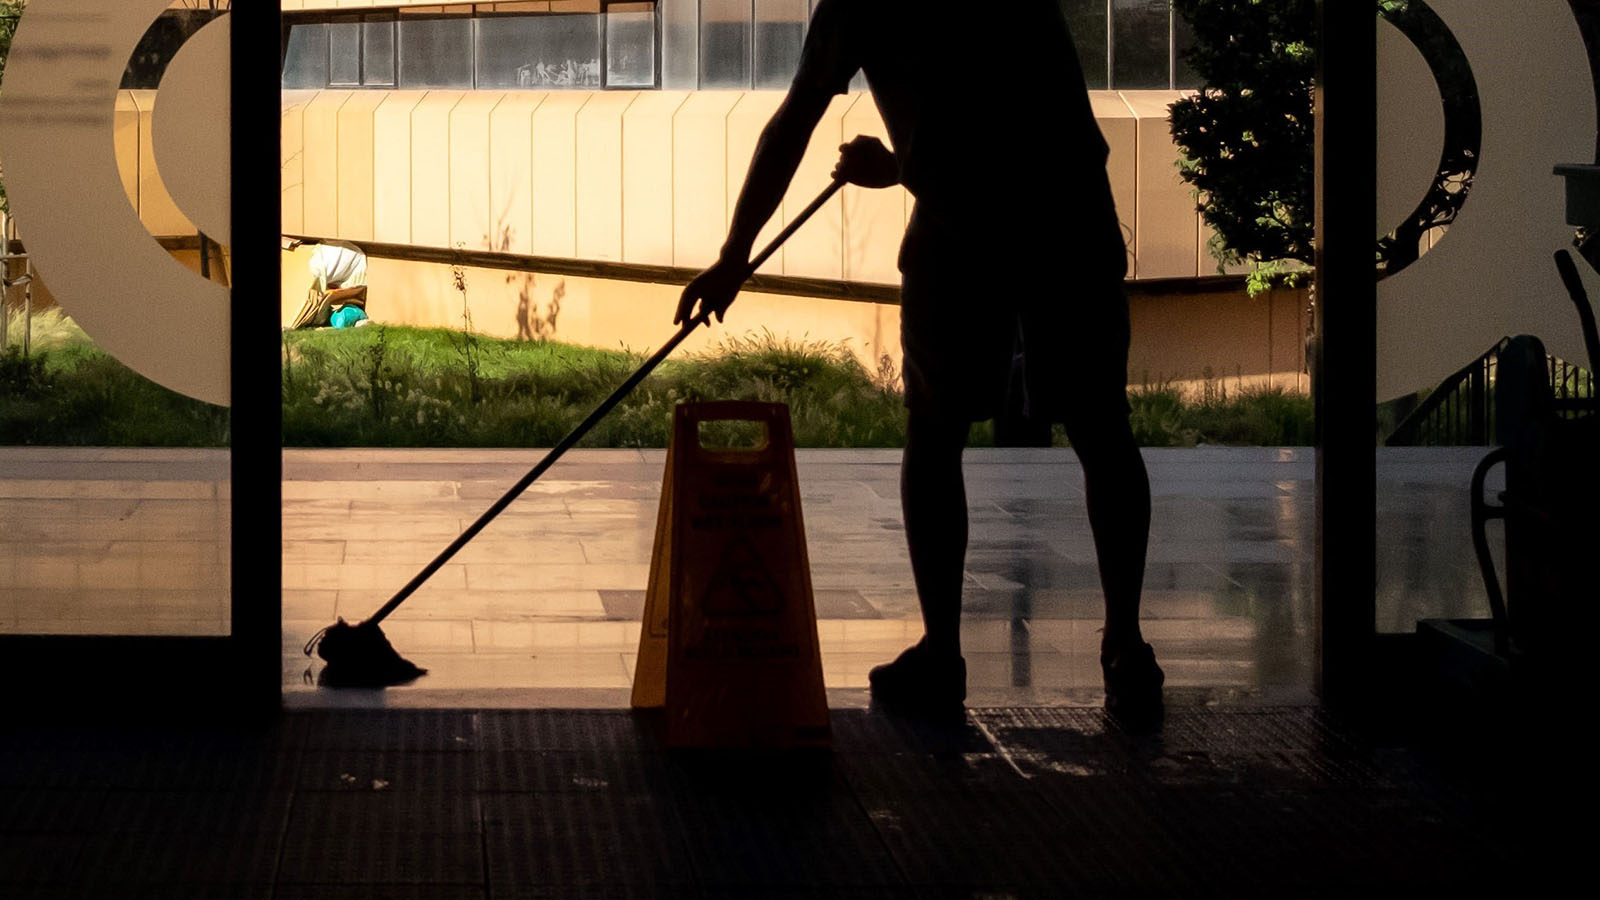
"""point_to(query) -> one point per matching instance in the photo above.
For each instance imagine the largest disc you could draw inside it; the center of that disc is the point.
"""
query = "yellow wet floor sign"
(729, 641)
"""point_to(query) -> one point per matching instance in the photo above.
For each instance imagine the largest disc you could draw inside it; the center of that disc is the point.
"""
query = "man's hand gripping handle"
(716, 287)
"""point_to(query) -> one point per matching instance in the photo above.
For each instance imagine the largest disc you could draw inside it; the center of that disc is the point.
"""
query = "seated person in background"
(338, 292)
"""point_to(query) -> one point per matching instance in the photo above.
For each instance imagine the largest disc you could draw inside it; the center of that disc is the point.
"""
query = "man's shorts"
(971, 305)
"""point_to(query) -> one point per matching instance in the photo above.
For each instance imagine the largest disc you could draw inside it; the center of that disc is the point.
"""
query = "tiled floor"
(1245, 790)
(548, 598)
(550, 595)
(1228, 802)
(120, 541)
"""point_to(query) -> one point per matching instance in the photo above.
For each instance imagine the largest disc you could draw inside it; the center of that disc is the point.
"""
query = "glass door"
(135, 429)
(1479, 343)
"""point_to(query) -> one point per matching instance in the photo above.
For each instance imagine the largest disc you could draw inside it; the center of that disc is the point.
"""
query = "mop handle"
(794, 225)
(600, 412)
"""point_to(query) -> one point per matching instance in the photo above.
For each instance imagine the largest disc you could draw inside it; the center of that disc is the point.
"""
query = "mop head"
(360, 656)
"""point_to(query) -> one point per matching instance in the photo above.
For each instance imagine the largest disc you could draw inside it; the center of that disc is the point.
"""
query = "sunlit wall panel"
(700, 176)
(599, 175)
(511, 170)
(430, 168)
(647, 157)
(472, 223)
(744, 129)
(555, 173)
(391, 166)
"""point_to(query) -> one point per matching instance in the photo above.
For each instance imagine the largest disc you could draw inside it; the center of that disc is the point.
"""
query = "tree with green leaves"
(10, 13)
(1248, 141)
(1247, 136)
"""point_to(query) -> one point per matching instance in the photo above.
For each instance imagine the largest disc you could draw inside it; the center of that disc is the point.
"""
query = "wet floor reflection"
(1426, 565)
(550, 595)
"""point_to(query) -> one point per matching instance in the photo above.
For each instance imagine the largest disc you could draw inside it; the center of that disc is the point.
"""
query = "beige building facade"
(644, 179)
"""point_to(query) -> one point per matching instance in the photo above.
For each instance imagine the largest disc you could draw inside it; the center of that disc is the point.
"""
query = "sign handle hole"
(733, 435)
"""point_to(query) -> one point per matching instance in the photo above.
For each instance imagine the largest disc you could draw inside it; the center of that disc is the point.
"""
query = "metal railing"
(1574, 390)
(1461, 411)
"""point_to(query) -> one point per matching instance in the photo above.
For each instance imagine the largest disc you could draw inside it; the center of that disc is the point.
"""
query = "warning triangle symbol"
(742, 586)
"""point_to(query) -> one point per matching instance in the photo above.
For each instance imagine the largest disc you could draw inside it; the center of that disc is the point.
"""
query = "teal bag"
(346, 316)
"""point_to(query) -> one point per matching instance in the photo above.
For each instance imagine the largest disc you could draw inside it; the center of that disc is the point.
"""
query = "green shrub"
(1158, 418)
(1269, 417)
(79, 396)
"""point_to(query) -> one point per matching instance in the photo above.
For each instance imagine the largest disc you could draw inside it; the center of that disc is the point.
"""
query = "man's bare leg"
(932, 674)
(1118, 493)
(1117, 490)
(933, 499)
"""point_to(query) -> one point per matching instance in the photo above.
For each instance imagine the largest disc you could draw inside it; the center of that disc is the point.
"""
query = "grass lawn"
(68, 392)
(394, 386)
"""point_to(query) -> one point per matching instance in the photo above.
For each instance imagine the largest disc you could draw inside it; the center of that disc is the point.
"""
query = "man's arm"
(777, 155)
(778, 152)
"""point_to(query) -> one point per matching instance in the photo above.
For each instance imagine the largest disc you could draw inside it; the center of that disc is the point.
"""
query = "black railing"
(1573, 387)
(1460, 412)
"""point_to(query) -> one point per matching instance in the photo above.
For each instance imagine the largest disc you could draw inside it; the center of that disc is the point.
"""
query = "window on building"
(344, 51)
(554, 51)
(708, 44)
(1141, 44)
(630, 45)
(779, 32)
(725, 39)
(377, 52)
(1183, 75)
(435, 51)
(547, 44)
(680, 44)
(1087, 19)
(305, 58)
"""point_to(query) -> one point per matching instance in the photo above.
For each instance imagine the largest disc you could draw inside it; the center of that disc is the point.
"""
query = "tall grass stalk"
(47, 329)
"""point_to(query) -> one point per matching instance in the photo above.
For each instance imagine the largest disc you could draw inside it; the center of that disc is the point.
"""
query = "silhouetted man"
(1014, 238)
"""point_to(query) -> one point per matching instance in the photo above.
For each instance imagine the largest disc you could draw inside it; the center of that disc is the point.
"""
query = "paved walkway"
(543, 608)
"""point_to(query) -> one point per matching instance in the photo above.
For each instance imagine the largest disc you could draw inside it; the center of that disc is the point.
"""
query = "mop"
(360, 655)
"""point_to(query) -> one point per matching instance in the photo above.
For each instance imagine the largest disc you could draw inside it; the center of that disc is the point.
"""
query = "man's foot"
(919, 680)
(1133, 681)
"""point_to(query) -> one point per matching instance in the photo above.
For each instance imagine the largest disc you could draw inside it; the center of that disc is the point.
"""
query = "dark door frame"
(257, 345)
(1351, 659)
(207, 678)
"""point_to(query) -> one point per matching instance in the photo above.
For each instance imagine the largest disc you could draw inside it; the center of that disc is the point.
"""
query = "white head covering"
(338, 264)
